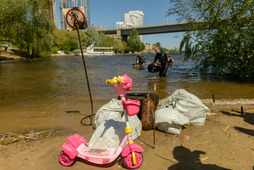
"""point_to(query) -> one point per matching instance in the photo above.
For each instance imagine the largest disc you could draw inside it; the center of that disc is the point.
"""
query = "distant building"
(148, 46)
(62, 5)
(52, 12)
(74, 3)
(132, 19)
(120, 24)
(99, 27)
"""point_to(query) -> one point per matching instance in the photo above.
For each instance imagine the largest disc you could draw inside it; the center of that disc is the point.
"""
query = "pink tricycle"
(132, 153)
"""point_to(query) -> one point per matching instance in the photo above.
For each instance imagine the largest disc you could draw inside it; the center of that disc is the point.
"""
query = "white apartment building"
(120, 24)
(132, 19)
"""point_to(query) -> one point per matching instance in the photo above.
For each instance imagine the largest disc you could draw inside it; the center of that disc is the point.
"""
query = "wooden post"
(154, 116)
(213, 96)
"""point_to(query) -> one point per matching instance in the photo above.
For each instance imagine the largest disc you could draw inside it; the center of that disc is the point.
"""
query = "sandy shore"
(226, 141)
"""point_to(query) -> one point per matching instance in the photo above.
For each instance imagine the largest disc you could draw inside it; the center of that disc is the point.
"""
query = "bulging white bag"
(110, 126)
(180, 108)
(169, 128)
(111, 110)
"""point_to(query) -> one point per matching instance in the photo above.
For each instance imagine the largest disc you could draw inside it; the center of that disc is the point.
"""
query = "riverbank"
(226, 141)
(9, 55)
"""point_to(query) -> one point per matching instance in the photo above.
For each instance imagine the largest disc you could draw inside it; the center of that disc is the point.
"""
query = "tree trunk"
(32, 55)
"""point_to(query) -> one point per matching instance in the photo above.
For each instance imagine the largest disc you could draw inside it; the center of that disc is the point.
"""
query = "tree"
(225, 37)
(119, 46)
(59, 37)
(92, 36)
(134, 43)
(174, 51)
(69, 45)
(67, 40)
(158, 44)
(103, 40)
(27, 23)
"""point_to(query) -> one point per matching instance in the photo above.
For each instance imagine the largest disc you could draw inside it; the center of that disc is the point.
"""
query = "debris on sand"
(8, 138)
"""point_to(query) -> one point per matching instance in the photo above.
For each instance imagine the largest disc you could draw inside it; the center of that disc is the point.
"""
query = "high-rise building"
(62, 5)
(132, 19)
(120, 24)
(52, 12)
(71, 4)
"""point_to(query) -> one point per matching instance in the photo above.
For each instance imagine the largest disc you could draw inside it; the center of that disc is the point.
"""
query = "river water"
(57, 84)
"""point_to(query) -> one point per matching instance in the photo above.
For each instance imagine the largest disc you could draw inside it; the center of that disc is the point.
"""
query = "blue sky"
(106, 12)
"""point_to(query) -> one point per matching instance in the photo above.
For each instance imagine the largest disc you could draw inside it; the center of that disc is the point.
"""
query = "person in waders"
(170, 61)
(163, 59)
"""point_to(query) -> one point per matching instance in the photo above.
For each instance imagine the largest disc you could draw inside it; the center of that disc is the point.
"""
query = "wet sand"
(226, 141)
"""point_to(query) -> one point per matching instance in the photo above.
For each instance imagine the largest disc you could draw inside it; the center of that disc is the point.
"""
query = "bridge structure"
(123, 33)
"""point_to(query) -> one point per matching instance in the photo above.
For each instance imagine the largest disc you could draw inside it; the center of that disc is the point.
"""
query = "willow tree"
(221, 30)
(27, 23)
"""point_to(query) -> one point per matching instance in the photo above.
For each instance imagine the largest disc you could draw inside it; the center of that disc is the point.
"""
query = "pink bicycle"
(132, 153)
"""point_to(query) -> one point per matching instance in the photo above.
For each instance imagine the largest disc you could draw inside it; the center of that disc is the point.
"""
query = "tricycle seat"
(131, 106)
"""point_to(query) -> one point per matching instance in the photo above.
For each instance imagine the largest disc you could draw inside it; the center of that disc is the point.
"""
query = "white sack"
(181, 108)
(110, 126)
(171, 116)
(169, 128)
(111, 110)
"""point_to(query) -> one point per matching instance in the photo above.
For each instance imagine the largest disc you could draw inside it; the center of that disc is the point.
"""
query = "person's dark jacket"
(162, 57)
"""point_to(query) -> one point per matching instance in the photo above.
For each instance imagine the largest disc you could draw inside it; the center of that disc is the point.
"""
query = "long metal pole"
(88, 86)
(154, 116)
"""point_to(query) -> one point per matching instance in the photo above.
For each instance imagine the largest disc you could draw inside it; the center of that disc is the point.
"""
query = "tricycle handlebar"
(114, 81)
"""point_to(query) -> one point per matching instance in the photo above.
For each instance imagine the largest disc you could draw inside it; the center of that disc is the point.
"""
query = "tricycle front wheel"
(129, 163)
(65, 160)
